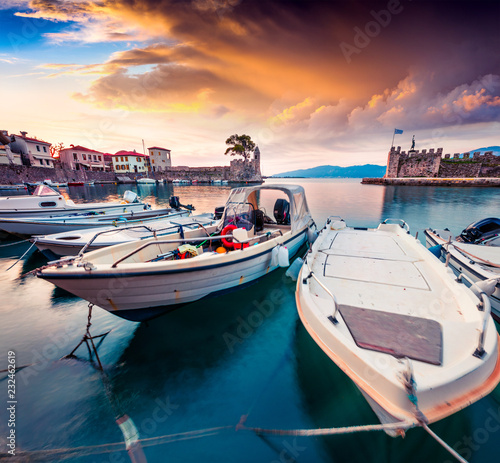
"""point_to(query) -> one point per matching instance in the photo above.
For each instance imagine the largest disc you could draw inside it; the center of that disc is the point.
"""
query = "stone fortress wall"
(433, 164)
(239, 170)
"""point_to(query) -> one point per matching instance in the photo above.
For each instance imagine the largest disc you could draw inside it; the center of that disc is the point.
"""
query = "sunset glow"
(312, 82)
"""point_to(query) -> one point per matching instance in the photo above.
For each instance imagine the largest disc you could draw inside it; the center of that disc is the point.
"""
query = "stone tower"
(393, 162)
(256, 157)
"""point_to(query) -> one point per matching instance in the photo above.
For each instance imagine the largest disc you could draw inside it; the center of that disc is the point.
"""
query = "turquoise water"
(213, 361)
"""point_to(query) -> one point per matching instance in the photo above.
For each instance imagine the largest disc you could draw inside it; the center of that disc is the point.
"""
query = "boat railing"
(195, 240)
(334, 299)
(401, 223)
(154, 231)
(485, 306)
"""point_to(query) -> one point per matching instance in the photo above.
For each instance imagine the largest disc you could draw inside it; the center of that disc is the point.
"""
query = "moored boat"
(146, 181)
(143, 279)
(418, 344)
(70, 243)
(26, 227)
(475, 252)
(49, 203)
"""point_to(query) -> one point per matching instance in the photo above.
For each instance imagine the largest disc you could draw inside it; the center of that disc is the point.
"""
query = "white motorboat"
(142, 279)
(49, 203)
(146, 181)
(49, 182)
(71, 243)
(418, 344)
(25, 227)
(475, 252)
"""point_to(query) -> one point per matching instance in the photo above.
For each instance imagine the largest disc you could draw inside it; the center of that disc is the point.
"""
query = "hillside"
(366, 170)
(495, 149)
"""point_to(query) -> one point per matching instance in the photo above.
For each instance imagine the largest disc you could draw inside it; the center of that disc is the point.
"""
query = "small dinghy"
(418, 344)
(475, 253)
(142, 279)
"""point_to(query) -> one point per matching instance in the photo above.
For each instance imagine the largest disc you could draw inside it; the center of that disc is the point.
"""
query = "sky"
(312, 82)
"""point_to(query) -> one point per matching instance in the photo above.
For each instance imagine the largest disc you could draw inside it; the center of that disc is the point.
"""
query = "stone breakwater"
(423, 181)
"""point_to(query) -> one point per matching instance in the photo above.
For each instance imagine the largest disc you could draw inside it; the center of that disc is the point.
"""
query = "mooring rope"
(333, 431)
(444, 444)
(14, 243)
(28, 250)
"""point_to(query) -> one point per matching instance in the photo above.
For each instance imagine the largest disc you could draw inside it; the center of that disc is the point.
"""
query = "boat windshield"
(239, 214)
(44, 190)
(245, 203)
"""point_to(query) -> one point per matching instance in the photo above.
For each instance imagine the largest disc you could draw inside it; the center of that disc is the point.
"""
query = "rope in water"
(14, 243)
(64, 453)
(444, 444)
(18, 260)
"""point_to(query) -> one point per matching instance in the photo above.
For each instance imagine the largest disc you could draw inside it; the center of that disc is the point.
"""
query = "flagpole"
(393, 135)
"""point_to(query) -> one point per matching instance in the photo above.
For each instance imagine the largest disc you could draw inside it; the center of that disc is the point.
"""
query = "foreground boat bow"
(418, 344)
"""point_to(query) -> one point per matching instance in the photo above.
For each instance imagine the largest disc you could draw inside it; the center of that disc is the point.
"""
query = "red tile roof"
(130, 153)
(82, 148)
(158, 148)
(33, 139)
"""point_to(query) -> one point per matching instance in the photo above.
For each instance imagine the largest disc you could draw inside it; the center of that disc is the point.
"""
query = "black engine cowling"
(282, 212)
(480, 231)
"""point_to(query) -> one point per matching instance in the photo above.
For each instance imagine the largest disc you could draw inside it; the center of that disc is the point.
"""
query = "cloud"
(276, 67)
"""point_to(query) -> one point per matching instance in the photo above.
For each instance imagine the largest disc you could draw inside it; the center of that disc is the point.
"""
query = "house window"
(75, 157)
(37, 148)
(138, 159)
(99, 157)
(152, 161)
(95, 158)
(126, 158)
(121, 158)
(84, 157)
(44, 149)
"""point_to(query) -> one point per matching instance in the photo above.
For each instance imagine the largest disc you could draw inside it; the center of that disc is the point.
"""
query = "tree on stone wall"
(55, 149)
(240, 145)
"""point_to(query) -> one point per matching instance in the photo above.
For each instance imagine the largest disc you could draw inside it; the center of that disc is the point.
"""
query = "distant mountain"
(367, 170)
(495, 149)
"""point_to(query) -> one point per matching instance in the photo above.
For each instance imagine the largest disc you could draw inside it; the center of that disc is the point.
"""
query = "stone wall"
(238, 171)
(434, 164)
(10, 175)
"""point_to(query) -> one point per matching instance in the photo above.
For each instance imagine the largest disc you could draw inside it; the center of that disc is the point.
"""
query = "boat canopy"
(246, 199)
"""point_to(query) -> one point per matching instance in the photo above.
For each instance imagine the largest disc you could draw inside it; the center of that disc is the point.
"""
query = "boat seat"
(395, 334)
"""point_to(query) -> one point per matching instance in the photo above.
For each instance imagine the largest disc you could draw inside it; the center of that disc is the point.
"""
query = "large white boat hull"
(154, 290)
(386, 271)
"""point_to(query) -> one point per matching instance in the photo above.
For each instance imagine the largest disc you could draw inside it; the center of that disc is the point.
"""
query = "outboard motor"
(480, 231)
(219, 211)
(282, 212)
(174, 202)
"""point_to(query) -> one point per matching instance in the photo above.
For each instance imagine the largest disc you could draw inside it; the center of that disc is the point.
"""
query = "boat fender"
(283, 260)
(294, 269)
(436, 250)
(274, 256)
(484, 286)
(337, 225)
(228, 230)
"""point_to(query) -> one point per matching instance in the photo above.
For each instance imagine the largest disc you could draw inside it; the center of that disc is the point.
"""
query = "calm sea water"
(211, 362)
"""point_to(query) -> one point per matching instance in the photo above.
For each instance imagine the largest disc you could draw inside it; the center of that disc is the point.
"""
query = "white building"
(159, 159)
(81, 158)
(6, 155)
(34, 152)
(130, 161)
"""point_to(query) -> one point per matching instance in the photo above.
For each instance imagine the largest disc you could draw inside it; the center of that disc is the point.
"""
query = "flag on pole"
(398, 131)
